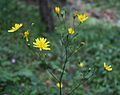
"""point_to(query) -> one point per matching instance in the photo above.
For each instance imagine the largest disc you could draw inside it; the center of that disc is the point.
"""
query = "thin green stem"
(77, 86)
(52, 75)
(64, 66)
(74, 52)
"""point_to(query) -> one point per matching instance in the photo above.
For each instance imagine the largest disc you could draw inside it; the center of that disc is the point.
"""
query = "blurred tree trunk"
(46, 14)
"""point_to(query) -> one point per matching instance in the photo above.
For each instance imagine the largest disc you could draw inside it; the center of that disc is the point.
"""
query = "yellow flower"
(82, 17)
(81, 65)
(71, 31)
(42, 44)
(15, 28)
(26, 34)
(57, 10)
(58, 85)
(107, 67)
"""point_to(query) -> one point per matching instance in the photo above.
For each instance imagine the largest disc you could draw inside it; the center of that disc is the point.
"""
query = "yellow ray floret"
(15, 28)
(71, 31)
(42, 44)
(59, 85)
(57, 10)
(107, 67)
(82, 17)
(26, 34)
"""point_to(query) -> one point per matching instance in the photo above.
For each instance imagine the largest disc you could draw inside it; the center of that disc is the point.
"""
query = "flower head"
(71, 31)
(26, 34)
(82, 17)
(57, 10)
(107, 67)
(59, 85)
(15, 28)
(81, 65)
(42, 44)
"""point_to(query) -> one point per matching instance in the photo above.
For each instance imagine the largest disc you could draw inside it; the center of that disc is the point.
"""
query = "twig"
(52, 75)
(66, 59)
(79, 85)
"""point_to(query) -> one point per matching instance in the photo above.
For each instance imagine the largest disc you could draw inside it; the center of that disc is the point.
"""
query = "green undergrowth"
(22, 72)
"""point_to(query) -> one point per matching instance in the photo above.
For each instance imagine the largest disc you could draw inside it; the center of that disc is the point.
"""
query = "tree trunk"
(46, 14)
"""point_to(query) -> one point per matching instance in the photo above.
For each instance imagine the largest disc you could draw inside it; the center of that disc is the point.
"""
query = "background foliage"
(22, 72)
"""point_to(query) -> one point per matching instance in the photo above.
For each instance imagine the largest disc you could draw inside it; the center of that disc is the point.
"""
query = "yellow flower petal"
(82, 17)
(26, 34)
(57, 10)
(71, 31)
(42, 44)
(15, 28)
(107, 67)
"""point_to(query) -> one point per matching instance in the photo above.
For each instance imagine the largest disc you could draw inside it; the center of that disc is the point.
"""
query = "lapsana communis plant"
(43, 44)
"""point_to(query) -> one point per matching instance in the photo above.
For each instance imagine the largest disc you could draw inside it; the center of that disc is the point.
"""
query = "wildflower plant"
(66, 39)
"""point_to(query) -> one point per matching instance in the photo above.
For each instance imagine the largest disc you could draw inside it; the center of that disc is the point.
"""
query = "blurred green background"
(22, 72)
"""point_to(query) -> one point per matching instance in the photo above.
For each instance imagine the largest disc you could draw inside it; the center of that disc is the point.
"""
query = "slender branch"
(63, 69)
(74, 36)
(62, 75)
(74, 89)
(52, 75)
(74, 52)
(77, 86)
